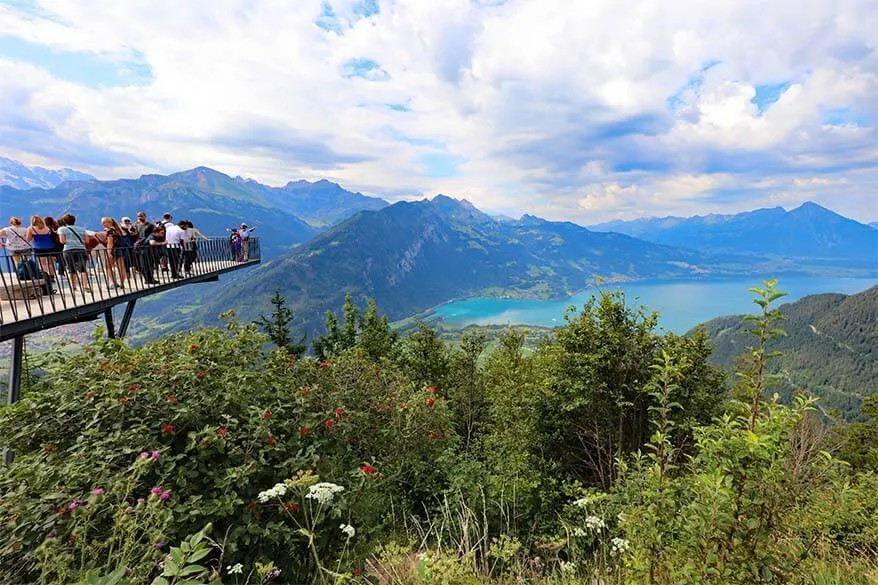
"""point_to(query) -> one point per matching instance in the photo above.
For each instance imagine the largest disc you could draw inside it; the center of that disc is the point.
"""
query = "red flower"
(328, 423)
(291, 507)
(357, 572)
(338, 412)
(432, 390)
(266, 415)
(200, 375)
(304, 431)
(431, 402)
(49, 447)
(305, 391)
(434, 435)
(73, 538)
(134, 388)
(323, 364)
(271, 440)
(172, 398)
(168, 429)
(368, 469)
(123, 400)
(251, 506)
(193, 348)
(222, 432)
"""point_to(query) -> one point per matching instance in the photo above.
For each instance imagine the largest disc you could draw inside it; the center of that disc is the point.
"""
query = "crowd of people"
(54, 247)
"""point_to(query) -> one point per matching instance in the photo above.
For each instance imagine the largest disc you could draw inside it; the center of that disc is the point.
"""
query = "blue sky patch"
(768, 94)
(328, 20)
(441, 166)
(693, 84)
(367, 8)
(88, 69)
(844, 117)
(365, 68)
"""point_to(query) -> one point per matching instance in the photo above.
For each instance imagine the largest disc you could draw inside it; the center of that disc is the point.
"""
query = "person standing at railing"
(42, 240)
(175, 235)
(190, 245)
(118, 247)
(157, 245)
(15, 240)
(75, 254)
(58, 247)
(245, 241)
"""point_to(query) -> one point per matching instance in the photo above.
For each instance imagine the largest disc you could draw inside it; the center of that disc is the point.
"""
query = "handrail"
(130, 269)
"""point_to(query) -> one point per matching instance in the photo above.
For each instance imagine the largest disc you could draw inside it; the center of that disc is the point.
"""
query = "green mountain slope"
(830, 350)
(414, 255)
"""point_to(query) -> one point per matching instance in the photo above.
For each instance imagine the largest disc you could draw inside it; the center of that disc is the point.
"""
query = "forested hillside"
(830, 349)
(413, 255)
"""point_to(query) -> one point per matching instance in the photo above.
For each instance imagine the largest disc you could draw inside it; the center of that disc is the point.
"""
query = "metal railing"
(35, 284)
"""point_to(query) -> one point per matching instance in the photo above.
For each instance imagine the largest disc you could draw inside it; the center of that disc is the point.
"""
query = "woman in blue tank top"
(43, 243)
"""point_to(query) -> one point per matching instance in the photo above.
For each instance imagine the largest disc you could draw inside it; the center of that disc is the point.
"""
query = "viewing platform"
(28, 305)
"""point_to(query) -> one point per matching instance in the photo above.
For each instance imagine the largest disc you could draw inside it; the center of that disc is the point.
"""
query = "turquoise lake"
(681, 304)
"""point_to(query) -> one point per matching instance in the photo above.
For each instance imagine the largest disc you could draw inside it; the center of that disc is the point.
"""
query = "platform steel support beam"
(108, 318)
(126, 318)
(13, 390)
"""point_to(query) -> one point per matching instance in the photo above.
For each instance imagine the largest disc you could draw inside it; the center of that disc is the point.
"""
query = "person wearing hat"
(245, 240)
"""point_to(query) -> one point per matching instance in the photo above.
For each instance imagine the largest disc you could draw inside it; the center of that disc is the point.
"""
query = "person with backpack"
(42, 240)
(118, 251)
(75, 254)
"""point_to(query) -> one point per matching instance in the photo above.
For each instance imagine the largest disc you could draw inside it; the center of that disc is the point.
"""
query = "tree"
(376, 337)
(277, 326)
(424, 355)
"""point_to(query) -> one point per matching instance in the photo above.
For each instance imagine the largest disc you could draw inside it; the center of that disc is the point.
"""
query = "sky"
(569, 109)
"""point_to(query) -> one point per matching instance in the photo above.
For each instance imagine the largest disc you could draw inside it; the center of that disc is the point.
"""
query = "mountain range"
(321, 241)
(15, 174)
(808, 231)
(212, 200)
(830, 348)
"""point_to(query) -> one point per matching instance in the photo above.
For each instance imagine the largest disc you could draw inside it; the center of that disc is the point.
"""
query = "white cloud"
(583, 110)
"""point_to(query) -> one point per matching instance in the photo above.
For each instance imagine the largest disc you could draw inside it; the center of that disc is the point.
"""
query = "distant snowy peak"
(19, 176)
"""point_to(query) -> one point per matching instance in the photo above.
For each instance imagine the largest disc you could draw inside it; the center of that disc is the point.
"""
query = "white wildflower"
(276, 492)
(619, 546)
(235, 569)
(581, 503)
(595, 523)
(579, 532)
(348, 530)
(323, 492)
(568, 567)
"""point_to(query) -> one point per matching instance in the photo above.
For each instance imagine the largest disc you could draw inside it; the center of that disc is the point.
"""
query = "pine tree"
(277, 326)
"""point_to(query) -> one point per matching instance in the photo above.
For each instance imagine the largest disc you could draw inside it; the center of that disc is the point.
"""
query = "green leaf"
(198, 555)
(160, 581)
(172, 569)
(191, 570)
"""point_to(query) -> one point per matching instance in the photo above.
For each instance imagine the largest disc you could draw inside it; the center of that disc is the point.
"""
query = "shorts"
(76, 260)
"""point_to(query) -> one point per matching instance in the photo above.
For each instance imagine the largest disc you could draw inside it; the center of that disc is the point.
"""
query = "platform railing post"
(108, 318)
(126, 318)
(13, 390)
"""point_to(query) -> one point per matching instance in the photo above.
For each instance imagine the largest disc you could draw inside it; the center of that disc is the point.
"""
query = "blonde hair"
(37, 222)
(16, 221)
(113, 223)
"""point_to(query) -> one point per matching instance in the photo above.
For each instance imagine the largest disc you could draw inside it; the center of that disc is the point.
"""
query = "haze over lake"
(681, 305)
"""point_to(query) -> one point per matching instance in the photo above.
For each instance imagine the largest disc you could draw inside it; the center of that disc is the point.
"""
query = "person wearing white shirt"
(245, 240)
(174, 235)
